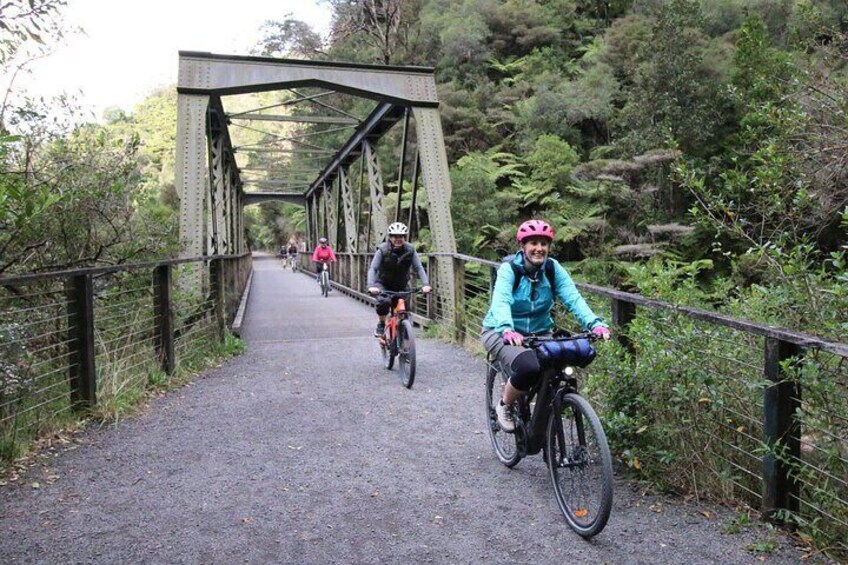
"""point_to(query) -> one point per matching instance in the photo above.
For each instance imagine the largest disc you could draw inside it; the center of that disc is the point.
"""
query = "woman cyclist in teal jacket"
(523, 307)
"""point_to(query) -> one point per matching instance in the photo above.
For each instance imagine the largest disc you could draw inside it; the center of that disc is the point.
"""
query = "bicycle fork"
(576, 457)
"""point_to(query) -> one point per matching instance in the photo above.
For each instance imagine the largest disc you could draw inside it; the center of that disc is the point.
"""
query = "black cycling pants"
(384, 304)
(520, 364)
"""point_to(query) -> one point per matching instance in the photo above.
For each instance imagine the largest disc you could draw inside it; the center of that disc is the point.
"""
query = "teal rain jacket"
(528, 310)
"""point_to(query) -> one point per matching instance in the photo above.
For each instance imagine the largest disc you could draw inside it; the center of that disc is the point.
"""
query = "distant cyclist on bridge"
(522, 301)
(322, 254)
(291, 254)
(390, 270)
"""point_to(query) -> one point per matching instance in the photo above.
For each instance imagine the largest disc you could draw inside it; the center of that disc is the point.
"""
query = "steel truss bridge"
(300, 151)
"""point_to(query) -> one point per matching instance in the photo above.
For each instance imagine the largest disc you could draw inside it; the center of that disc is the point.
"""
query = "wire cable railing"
(96, 339)
(703, 402)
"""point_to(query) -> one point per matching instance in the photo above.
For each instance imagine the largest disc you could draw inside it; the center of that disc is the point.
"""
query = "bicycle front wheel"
(325, 283)
(504, 444)
(580, 464)
(406, 353)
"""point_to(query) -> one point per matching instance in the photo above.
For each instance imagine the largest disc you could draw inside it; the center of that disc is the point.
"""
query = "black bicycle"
(398, 339)
(553, 418)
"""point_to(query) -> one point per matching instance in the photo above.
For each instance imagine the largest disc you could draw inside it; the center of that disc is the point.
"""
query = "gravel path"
(305, 450)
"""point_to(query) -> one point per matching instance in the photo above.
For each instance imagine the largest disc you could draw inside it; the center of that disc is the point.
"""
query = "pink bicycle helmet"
(534, 228)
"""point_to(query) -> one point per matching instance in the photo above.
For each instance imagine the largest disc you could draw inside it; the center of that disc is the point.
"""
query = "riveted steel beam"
(436, 180)
(223, 181)
(297, 119)
(291, 102)
(382, 118)
(332, 206)
(375, 183)
(277, 187)
(251, 149)
(207, 73)
(279, 170)
(191, 171)
(258, 197)
(350, 220)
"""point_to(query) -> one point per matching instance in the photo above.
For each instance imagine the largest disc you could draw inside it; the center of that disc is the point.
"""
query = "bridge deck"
(305, 450)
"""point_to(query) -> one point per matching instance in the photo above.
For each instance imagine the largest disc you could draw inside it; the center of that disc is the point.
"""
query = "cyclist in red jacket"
(322, 254)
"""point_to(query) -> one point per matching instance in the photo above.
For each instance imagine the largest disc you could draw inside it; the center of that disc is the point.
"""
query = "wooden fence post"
(459, 315)
(163, 314)
(782, 431)
(623, 313)
(82, 369)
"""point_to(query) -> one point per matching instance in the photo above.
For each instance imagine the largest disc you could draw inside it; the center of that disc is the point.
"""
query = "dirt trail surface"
(305, 450)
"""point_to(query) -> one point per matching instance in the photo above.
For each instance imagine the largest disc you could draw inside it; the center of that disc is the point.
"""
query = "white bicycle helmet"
(398, 228)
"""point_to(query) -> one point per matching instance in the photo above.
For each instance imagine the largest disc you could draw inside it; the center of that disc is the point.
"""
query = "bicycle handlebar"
(393, 293)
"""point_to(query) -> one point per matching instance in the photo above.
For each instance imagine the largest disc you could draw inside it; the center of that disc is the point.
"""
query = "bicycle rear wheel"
(504, 444)
(406, 353)
(580, 464)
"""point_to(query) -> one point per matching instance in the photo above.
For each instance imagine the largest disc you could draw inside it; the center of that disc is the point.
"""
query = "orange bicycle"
(398, 339)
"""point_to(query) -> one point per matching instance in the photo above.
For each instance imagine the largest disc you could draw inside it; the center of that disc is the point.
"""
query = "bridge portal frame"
(211, 192)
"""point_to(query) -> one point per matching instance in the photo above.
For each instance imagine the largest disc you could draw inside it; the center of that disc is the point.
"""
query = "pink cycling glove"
(601, 331)
(511, 337)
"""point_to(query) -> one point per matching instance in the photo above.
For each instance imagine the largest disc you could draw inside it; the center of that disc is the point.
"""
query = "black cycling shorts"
(520, 364)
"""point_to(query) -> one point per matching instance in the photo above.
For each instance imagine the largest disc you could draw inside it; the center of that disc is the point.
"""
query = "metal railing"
(735, 409)
(91, 338)
(754, 413)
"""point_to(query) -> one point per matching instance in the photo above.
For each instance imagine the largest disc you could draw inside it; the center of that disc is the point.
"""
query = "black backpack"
(516, 270)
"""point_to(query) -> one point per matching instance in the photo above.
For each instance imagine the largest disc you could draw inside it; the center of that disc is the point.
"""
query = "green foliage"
(29, 22)
(759, 72)
(767, 545)
(475, 181)
(552, 161)
(289, 38)
(232, 346)
(676, 96)
(738, 523)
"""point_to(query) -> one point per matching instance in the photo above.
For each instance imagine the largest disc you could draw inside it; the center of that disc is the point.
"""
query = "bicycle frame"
(533, 421)
(534, 408)
(396, 314)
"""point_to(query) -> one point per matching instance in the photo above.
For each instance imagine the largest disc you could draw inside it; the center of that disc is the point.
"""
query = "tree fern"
(495, 165)
(573, 217)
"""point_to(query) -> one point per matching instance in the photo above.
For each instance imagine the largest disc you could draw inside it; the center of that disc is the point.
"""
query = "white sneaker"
(505, 419)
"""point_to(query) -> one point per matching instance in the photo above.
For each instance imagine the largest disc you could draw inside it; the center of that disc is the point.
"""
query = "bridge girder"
(208, 180)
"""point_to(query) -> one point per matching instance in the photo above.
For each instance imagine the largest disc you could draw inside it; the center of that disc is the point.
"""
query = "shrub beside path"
(305, 450)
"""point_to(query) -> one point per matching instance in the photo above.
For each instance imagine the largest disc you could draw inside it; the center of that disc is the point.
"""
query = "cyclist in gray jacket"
(390, 270)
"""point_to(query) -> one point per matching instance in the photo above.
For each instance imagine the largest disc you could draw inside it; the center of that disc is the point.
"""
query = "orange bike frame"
(398, 311)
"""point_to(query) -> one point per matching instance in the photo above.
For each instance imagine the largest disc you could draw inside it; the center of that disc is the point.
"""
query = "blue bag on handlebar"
(575, 352)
